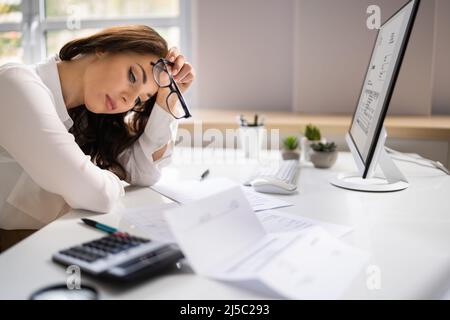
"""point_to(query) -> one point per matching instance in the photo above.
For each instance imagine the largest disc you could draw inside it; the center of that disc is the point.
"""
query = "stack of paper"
(151, 221)
(185, 191)
(223, 239)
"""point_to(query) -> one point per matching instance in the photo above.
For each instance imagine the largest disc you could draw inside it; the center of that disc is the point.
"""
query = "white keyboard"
(278, 178)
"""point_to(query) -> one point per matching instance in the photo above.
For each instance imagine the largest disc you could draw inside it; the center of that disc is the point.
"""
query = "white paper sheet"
(314, 266)
(223, 239)
(260, 202)
(275, 221)
(150, 220)
(185, 191)
(206, 230)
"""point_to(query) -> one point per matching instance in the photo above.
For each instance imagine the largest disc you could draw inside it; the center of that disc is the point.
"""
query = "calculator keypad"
(112, 244)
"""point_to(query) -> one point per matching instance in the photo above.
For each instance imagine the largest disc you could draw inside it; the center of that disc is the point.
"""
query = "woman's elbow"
(103, 202)
(146, 180)
(108, 202)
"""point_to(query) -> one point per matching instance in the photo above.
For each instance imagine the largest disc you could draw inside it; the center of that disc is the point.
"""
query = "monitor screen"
(380, 80)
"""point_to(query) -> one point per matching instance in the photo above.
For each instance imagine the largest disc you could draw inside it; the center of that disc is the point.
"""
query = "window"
(30, 30)
(10, 36)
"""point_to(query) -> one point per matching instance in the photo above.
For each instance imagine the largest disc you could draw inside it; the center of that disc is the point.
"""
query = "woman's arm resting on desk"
(31, 131)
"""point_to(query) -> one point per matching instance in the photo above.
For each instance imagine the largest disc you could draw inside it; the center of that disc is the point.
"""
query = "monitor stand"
(393, 179)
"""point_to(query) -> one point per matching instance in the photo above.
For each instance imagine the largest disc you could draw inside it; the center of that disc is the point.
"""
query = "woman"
(74, 126)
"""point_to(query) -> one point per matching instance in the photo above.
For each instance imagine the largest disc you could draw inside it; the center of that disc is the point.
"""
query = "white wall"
(334, 46)
(311, 55)
(244, 54)
(441, 79)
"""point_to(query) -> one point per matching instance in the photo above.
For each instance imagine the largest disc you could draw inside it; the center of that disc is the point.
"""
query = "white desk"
(407, 233)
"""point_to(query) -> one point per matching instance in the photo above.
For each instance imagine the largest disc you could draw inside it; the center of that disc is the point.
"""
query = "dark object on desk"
(256, 123)
(204, 174)
(100, 226)
(120, 256)
(61, 292)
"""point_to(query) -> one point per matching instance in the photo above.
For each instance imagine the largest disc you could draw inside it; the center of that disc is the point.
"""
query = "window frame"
(34, 26)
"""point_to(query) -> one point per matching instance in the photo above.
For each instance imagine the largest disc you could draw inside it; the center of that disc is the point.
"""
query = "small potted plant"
(312, 135)
(290, 148)
(323, 155)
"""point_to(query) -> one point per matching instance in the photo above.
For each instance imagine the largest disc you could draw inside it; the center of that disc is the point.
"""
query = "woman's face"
(117, 82)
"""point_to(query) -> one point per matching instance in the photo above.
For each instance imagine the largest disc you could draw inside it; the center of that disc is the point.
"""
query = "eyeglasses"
(164, 79)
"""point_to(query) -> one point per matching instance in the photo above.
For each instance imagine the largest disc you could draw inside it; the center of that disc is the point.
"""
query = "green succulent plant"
(312, 133)
(290, 143)
(324, 147)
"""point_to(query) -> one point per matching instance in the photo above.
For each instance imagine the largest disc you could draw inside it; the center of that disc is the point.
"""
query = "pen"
(204, 174)
(102, 226)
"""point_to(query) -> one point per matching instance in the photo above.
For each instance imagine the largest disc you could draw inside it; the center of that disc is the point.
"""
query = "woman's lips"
(110, 105)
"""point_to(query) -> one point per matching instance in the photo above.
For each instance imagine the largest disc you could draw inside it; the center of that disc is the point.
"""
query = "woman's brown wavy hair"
(105, 136)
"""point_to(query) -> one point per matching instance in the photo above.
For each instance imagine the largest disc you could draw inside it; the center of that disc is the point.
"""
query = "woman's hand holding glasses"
(174, 76)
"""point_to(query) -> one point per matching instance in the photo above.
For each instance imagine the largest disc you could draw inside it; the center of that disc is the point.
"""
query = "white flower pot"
(322, 159)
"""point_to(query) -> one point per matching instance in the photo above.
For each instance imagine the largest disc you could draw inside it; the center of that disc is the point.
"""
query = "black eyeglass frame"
(173, 88)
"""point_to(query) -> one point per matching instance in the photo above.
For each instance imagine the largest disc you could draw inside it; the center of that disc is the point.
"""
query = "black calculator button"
(95, 252)
(139, 240)
(68, 253)
(80, 254)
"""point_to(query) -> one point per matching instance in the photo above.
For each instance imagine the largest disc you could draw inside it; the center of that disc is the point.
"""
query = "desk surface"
(407, 233)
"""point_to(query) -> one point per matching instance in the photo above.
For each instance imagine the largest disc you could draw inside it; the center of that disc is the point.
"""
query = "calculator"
(120, 257)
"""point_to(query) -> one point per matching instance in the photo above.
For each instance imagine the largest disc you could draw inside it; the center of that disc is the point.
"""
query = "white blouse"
(43, 171)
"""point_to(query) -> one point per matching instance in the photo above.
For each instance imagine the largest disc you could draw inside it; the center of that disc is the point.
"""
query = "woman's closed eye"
(131, 76)
(133, 79)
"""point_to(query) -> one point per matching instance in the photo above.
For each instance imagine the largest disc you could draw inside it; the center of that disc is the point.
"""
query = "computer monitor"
(366, 136)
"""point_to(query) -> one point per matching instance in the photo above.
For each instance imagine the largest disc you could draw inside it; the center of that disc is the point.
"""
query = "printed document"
(223, 239)
(184, 191)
